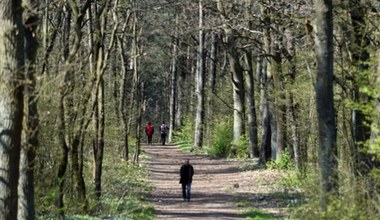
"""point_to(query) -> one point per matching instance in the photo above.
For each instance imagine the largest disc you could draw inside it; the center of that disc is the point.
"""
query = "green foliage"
(221, 139)
(356, 200)
(284, 163)
(338, 208)
(254, 214)
(292, 180)
(185, 135)
(240, 147)
(185, 146)
(244, 203)
(125, 190)
(124, 194)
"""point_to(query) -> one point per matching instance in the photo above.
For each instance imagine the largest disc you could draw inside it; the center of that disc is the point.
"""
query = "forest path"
(217, 186)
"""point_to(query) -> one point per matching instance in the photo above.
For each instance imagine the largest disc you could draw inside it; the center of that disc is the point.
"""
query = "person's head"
(149, 123)
(163, 122)
(187, 161)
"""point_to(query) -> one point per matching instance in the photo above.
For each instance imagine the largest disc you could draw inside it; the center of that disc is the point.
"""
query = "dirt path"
(217, 186)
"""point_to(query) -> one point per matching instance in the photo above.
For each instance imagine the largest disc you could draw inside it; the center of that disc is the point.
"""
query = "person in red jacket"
(149, 131)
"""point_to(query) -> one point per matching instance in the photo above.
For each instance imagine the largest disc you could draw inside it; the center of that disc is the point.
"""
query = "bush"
(240, 148)
(185, 134)
(284, 163)
(221, 140)
(356, 200)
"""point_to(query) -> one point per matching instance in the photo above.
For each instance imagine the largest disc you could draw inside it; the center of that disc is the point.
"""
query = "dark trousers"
(149, 139)
(186, 191)
(163, 139)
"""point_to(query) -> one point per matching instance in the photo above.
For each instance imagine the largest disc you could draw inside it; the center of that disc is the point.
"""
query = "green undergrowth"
(255, 214)
(284, 163)
(221, 140)
(251, 213)
(125, 190)
(356, 200)
(185, 146)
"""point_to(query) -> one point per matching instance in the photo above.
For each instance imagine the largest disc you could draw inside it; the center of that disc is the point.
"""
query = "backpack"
(163, 128)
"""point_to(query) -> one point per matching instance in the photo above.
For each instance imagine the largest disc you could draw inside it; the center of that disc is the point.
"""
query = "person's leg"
(150, 139)
(184, 191)
(163, 138)
(188, 191)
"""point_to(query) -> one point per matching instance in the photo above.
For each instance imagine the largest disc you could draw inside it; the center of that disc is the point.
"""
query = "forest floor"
(220, 189)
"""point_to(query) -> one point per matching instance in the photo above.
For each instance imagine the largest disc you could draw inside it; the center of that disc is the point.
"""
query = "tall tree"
(101, 56)
(72, 13)
(211, 81)
(11, 102)
(236, 70)
(268, 101)
(251, 106)
(360, 57)
(200, 75)
(123, 86)
(30, 142)
(292, 109)
(173, 81)
(325, 99)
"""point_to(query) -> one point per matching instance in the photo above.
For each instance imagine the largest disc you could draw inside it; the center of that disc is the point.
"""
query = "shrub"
(221, 139)
(240, 148)
(284, 163)
(185, 134)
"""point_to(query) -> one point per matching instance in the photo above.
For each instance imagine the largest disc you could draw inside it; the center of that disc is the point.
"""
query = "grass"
(125, 190)
(185, 146)
(253, 214)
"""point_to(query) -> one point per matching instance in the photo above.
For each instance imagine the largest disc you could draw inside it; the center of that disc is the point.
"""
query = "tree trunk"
(199, 120)
(238, 90)
(181, 92)
(173, 82)
(279, 97)
(211, 84)
(251, 107)
(266, 133)
(99, 151)
(141, 107)
(11, 102)
(101, 55)
(360, 56)
(62, 130)
(26, 209)
(122, 96)
(292, 107)
(375, 135)
(325, 99)
(268, 82)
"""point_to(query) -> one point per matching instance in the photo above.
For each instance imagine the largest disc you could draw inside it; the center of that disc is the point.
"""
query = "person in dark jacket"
(164, 129)
(186, 173)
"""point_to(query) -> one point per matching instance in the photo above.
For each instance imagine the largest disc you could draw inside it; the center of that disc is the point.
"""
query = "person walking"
(149, 131)
(186, 173)
(164, 129)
